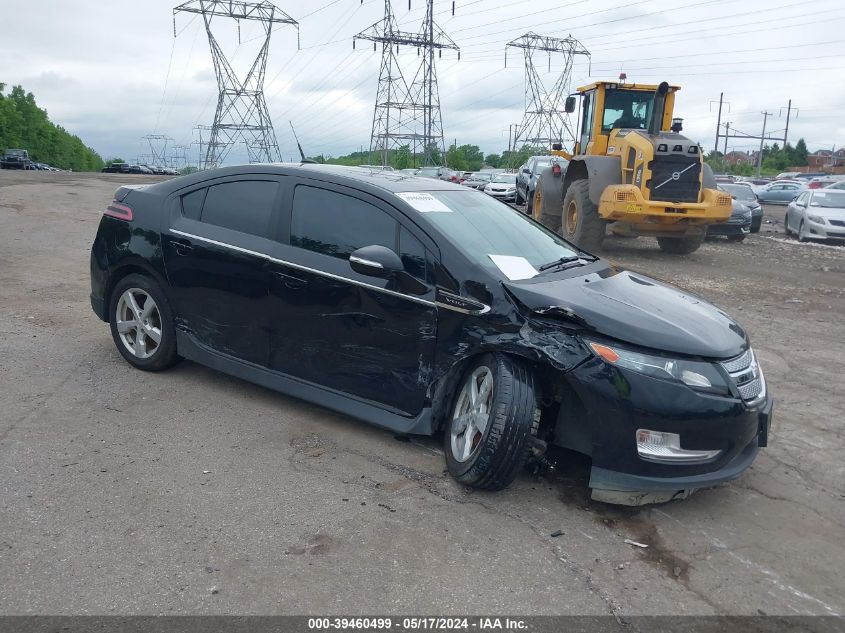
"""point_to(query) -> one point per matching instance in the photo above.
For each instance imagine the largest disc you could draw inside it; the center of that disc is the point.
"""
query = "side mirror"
(375, 261)
(569, 105)
(526, 170)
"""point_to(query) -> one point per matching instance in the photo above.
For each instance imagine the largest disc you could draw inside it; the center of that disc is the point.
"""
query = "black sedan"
(426, 307)
(745, 195)
(738, 226)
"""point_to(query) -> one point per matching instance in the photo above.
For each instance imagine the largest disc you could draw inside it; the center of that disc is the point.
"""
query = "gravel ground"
(195, 493)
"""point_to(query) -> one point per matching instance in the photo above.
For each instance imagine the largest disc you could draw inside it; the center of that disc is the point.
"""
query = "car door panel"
(220, 282)
(367, 337)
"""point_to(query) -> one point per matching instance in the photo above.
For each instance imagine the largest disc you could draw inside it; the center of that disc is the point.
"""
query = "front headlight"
(695, 374)
(815, 218)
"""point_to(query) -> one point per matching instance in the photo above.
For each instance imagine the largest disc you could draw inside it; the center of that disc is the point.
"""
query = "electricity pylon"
(407, 113)
(158, 149)
(545, 121)
(241, 108)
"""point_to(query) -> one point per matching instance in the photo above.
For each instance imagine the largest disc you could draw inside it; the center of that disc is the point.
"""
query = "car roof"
(356, 177)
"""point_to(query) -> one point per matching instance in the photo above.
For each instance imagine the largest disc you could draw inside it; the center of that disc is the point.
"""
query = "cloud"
(112, 72)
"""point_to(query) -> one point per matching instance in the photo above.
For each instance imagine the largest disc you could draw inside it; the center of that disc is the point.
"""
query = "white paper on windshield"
(514, 268)
(424, 202)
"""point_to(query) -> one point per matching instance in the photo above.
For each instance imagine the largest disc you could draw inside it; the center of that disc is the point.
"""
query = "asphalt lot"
(192, 492)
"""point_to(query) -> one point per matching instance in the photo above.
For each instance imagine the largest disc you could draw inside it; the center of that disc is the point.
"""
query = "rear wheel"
(680, 245)
(580, 222)
(487, 439)
(142, 324)
(736, 238)
(786, 228)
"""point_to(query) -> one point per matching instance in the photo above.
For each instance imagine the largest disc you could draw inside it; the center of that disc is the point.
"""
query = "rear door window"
(192, 204)
(336, 224)
(245, 206)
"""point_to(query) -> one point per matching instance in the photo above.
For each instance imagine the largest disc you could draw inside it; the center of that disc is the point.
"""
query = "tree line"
(457, 157)
(23, 125)
(776, 159)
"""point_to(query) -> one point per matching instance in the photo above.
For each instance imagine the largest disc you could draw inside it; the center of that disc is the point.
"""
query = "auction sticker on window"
(514, 268)
(424, 202)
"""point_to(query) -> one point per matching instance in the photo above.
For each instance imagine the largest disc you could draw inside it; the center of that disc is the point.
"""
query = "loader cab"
(607, 106)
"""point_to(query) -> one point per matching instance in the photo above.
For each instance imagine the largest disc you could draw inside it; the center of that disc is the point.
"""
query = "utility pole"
(766, 116)
(408, 112)
(718, 124)
(545, 121)
(727, 131)
(789, 110)
(241, 107)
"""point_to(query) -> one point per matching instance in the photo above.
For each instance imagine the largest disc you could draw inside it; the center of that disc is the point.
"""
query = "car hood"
(636, 309)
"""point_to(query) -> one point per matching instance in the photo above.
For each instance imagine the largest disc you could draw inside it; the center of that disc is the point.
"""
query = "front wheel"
(736, 238)
(680, 245)
(142, 324)
(580, 222)
(786, 228)
(518, 199)
(802, 234)
(494, 415)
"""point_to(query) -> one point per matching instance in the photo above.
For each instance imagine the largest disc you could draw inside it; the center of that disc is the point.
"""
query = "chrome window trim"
(355, 282)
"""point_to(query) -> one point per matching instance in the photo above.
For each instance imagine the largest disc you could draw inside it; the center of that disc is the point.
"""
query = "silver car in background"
(817, 214)
(478, 180)
(502, 186)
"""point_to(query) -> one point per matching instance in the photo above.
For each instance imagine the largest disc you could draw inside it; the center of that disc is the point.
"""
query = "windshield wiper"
(562, 261)
(559, 262)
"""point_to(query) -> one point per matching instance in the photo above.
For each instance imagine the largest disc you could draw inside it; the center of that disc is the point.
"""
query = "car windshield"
(627, 109)
(541, 165)
(838, 185)
(482, 227)
(428, 171)
(509, 178)
(740, 192)
(480, 176)
(828, 199)
(15, 152)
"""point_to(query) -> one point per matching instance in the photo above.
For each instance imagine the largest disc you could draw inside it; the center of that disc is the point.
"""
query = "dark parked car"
(526, 180)
(425, 307)
(116, 168)
(738, 225)
(15, 159)
(745, 194)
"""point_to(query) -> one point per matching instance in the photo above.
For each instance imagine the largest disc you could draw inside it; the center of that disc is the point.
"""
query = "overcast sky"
(112, 71)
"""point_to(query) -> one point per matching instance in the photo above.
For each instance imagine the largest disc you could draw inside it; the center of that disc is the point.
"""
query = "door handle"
(182, 247)
(291, 282)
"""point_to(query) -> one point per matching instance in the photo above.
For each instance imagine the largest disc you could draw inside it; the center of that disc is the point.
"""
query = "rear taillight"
(814, 185)
(119, 211)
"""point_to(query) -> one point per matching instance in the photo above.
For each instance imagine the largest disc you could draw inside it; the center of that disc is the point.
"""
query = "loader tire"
(680, 245)
(548, 198)
(580, 220)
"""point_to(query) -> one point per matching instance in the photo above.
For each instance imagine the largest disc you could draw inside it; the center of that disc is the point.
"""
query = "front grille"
(837, 222)
(675, 178)
(625, 196)
(747, 376)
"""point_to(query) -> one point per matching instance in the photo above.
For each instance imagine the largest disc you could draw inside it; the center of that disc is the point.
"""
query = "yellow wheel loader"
(632, 171)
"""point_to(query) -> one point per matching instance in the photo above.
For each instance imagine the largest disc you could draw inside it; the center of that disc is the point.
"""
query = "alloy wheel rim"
(138, 323)
(472, 413)
(571, 218)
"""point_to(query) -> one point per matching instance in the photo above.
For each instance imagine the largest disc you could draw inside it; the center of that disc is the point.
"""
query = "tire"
(801, 235)
(736, 238)
(580, 220)
(680, 245)
(518, 199)
(495, 454)
(529, 210)
(137, 343)
(547, 208)
(786, 228)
